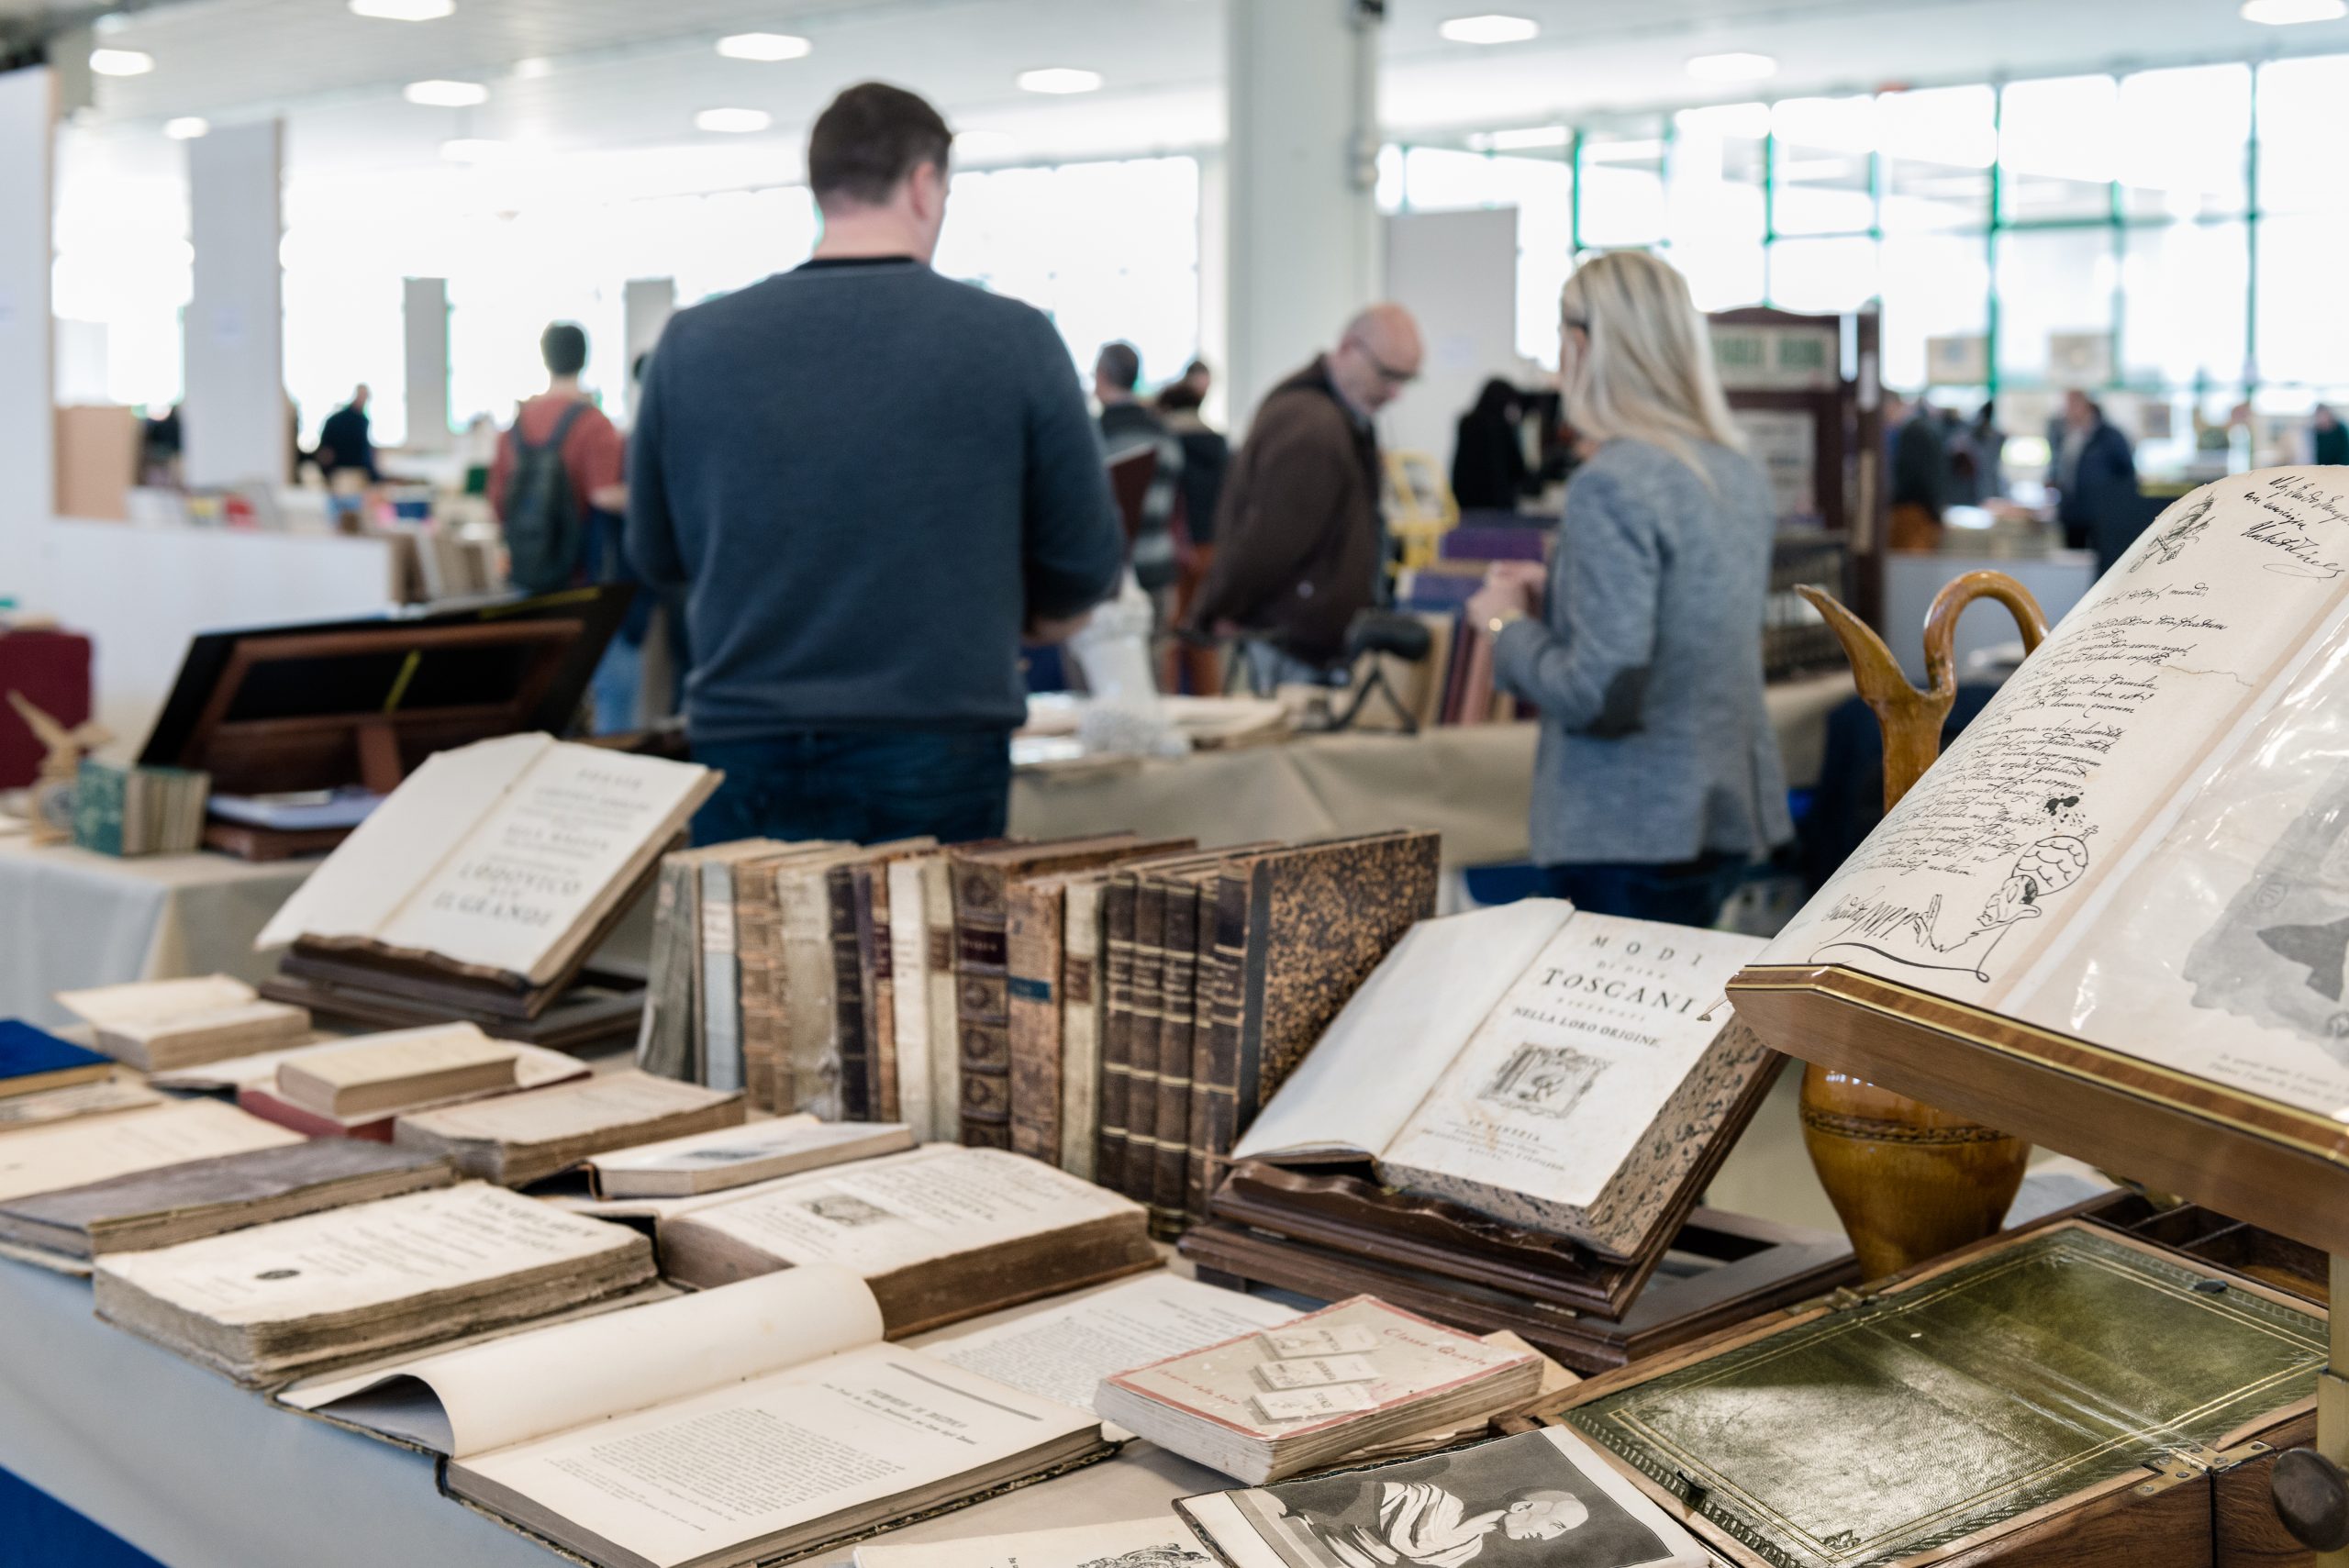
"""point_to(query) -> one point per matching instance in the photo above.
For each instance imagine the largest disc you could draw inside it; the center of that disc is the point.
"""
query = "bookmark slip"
(1332, 1339)
(1315, 1372)
(1302, 1403)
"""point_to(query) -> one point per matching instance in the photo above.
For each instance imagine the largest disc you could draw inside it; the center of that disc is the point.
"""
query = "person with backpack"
(556, 483)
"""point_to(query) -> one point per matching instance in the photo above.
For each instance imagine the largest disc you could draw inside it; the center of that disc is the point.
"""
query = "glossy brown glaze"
(1908, 1181)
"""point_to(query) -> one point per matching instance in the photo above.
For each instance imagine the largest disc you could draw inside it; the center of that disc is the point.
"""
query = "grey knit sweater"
(1646, 666)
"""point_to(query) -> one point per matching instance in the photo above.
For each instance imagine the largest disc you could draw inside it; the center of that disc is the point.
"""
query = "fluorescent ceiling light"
(187, 127)
(1489, 28)
(764, 46)
(532, 67)
(441, 93)
(121, 61)
(1059, 79)
(474, 149)
(1737, 65)
(1521, 138)
(2285, 13)
(735, 122)
(403, 10)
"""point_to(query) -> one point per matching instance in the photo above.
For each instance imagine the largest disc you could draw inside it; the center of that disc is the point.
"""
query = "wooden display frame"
(2278, 1167)
(1756, 1266)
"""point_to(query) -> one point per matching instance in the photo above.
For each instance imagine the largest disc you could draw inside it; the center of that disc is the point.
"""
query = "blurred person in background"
(1990, 450)
(555, 482)
(1657, 779)
(1919, 489)
(1300, 549)
(345, 441)
(2328, 438)
(1206, 454)
(1128, 423)
(1489, 468)
(870, 482)
(2096, 478)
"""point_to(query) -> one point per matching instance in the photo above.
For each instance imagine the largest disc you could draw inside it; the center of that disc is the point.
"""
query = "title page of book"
(1560, 1083)
(557, 840)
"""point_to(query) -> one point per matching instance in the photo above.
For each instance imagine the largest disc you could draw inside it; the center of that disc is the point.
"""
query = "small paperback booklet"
(1284, 1400)
(1165, 1543)
(1542, 1500)
(73, 1152)
(515, 1139)
(379, 1074)
(171, 1204)
(737, 1156)
(158, 1025)
(941, 1233)
(753, 1423)
(33, 1060)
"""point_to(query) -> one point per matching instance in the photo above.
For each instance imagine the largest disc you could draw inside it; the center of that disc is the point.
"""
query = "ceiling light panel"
(121, 61)
(763, 47)
(733, 122)
(441, 93)
(1059, 79)
(1492, 27)
(403, 10)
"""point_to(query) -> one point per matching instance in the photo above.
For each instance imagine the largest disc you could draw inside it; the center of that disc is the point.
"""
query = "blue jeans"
(866, 787)
(1689, 894)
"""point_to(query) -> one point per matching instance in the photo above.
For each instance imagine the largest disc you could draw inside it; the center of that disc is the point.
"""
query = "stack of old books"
(1113, 1004)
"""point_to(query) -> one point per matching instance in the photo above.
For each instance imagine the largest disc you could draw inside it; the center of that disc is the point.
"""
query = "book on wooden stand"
(1508, 1126)
(483, 882)
(2109, 921)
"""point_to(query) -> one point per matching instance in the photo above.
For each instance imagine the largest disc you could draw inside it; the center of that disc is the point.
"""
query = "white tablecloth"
(75, 918)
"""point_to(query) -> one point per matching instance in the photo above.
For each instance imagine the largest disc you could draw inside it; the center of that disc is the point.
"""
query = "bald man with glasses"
(1299, 542)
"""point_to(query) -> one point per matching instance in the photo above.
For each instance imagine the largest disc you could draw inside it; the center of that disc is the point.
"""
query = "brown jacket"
(1297, 534)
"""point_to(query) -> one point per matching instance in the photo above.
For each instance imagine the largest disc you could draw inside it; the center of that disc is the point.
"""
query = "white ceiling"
(622, 79)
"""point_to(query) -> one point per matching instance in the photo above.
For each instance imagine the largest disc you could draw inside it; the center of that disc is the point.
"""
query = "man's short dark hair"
(869, 140)
(563, 345)
(1120, 365)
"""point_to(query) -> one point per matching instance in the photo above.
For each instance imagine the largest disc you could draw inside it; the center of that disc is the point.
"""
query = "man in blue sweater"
(871, 484)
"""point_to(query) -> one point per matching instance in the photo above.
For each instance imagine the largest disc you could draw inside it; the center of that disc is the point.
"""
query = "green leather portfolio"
(2019, 1377)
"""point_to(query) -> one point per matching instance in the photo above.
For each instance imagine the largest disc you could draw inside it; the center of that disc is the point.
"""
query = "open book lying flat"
(1556, 1069)
(500, 859)
(752, 1423)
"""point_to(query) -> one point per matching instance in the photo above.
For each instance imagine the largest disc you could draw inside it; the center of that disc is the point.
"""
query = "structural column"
(646, 305)
(234, 424)
(1300, 177)
(27, 425)
(424, 322)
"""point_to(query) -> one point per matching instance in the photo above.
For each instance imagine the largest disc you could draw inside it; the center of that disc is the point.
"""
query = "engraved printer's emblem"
(845, 1208)
(1543, 1080)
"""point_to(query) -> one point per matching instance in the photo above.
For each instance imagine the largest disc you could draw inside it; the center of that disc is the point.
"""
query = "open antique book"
(502, 857)
(751, 1423)
(2142, 842)
(1559, 1070)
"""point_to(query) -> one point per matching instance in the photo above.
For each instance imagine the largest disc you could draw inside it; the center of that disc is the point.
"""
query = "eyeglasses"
(1386, 372)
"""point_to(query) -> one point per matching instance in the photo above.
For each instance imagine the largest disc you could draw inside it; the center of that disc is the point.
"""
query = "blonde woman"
(1658, 776)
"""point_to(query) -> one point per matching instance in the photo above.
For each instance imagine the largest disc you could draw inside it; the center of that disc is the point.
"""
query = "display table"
(198, 1474)
(1473, 784)
(76, 918)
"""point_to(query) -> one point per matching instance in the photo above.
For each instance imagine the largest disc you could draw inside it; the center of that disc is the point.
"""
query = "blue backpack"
(544, 534)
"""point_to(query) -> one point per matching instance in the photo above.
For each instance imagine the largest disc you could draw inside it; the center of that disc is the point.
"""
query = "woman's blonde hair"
(1645, 371)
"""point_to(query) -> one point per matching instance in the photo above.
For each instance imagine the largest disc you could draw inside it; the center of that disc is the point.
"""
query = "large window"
(2164, 237)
